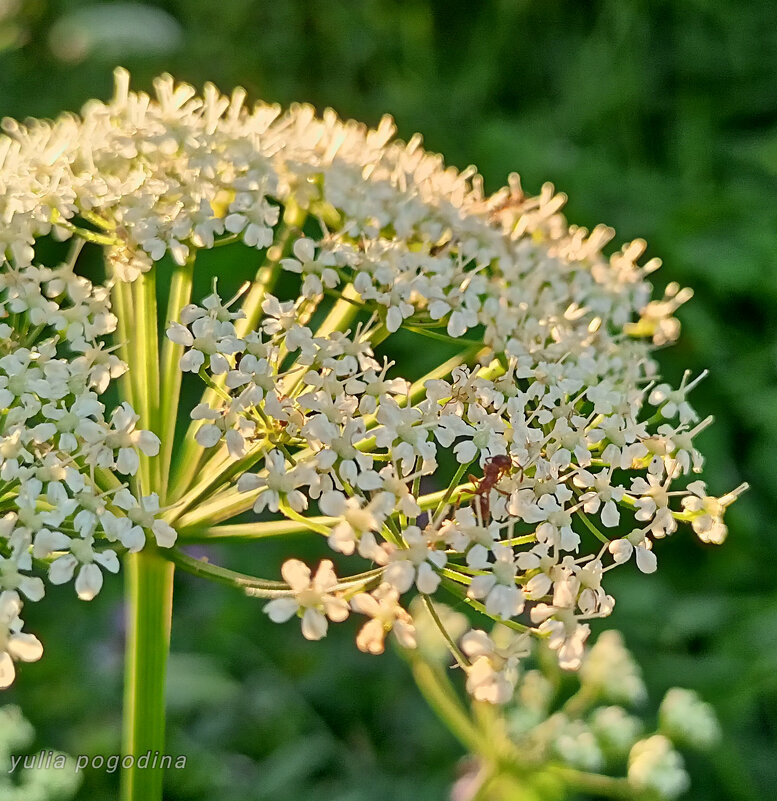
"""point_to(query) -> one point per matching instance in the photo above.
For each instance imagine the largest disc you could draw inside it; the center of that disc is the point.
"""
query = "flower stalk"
(312, 414)
(149, 604)
(171, 376)
(149, 576)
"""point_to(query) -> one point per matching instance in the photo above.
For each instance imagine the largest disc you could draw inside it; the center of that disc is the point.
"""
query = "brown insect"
(495, 468)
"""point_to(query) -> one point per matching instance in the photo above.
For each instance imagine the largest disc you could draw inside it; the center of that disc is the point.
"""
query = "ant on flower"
(494, 469)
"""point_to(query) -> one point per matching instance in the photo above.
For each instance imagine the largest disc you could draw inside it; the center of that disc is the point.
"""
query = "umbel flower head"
(599, 732)
(539, 451)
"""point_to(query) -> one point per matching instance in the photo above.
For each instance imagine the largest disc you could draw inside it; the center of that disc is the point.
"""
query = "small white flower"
(15, 645)
(89, 580)
(385, 613)
(313, 601)
(707, 511)
(141, 514)
(634, 543)
(673, 402)
(118, 446)
(358, 521)
(503, 598)
(493, 671)
(565, 634)
(418, 562)
(278, 484)
(319, 272)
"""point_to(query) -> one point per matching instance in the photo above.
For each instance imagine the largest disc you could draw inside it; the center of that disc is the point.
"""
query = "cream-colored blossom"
(550, 400)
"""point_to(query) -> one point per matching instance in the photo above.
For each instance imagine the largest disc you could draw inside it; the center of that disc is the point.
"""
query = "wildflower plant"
(540, 453)
(555, 738)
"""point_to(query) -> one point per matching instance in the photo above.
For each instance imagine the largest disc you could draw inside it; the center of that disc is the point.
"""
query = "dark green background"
(659, 118)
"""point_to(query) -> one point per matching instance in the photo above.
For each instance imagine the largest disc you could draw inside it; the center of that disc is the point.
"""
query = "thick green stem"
(144, 349)
(180, 295)
(149, 585)
(149, 577)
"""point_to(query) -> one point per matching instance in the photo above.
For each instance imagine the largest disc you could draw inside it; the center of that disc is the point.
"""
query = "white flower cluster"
(564, 453)
(595, 730)
(685, 718)
(611, 673)
(58, 442)
(551, 399)
(655, 766)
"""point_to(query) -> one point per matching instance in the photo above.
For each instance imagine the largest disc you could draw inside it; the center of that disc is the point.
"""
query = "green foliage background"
(659, 118)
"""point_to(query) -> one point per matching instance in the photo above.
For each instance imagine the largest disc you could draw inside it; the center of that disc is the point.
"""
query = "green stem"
(452, 647)
(149, 586)
(215, 475)
(454, 483)
(240, 532)
(257, 587)
(591, 527)
(144, 366)
(180, 295)
(593, 783)
(452, 582)
(119, 305)
(458, 341)
(579, 703)
(149, 578)
(443, 699)
(342, 313)
(222, 506)
(434, 498)
(319, 528)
